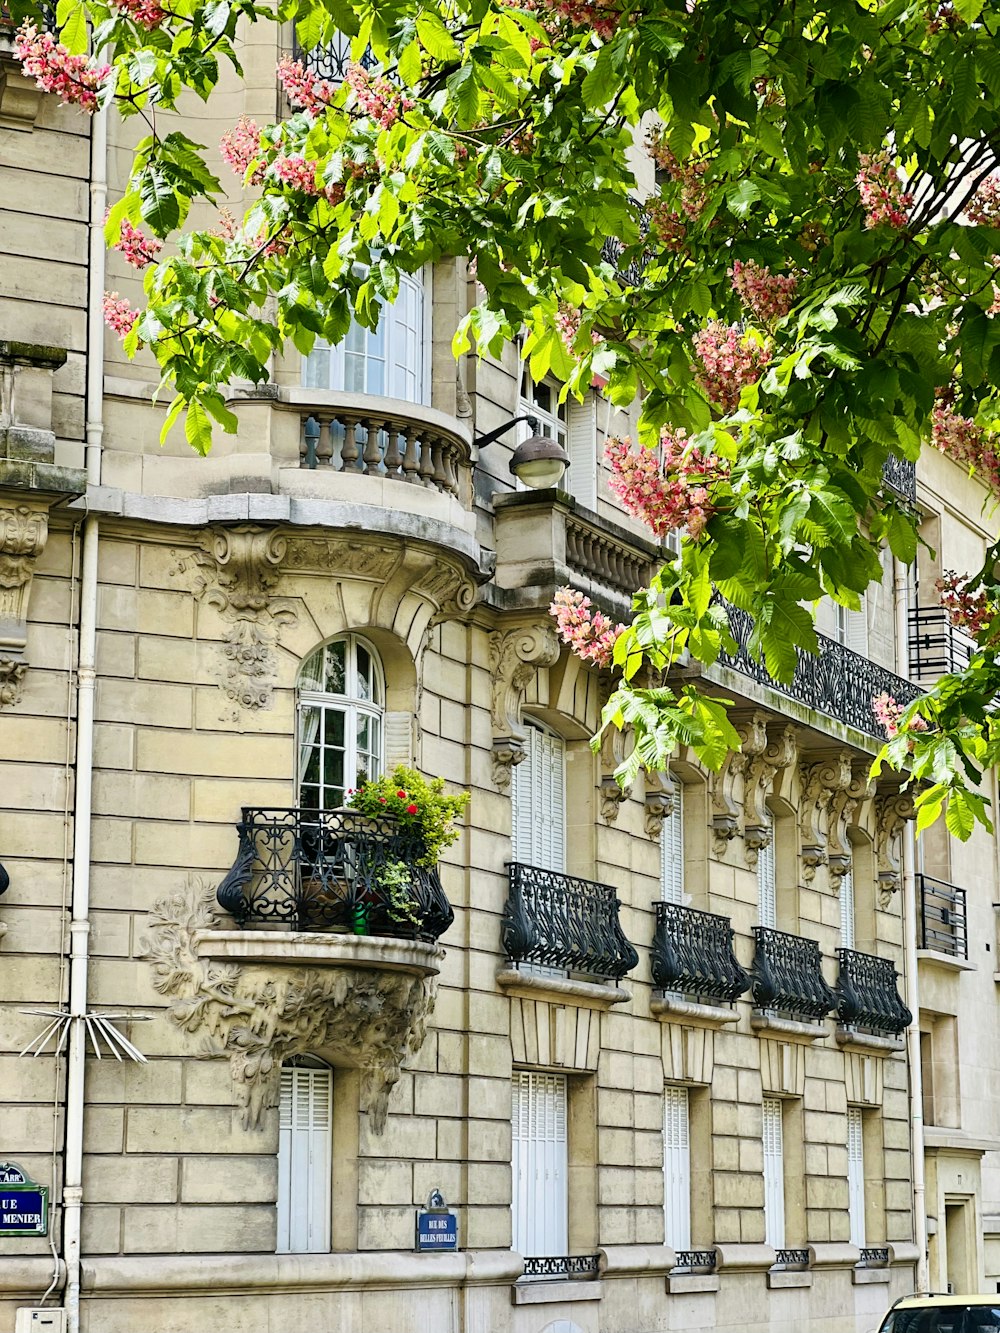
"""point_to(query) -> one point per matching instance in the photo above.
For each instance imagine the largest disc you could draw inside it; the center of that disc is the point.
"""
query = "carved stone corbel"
(659, 803)
(23, 531)
(515, 656)
(781, 752)
(615, 746)
(843, 808)
(238, 570)
(892, 810)
(724, 819)
(820, 783)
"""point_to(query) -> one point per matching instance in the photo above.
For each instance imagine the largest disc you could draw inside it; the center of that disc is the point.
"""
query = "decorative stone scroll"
(781, 753)
(23, 531)
(892, 810)
(515, 656)
(659, 803)
(821, 782)
(238, 570)
(615, 746)
(262, 1014)
(843, 811)
(725, 817)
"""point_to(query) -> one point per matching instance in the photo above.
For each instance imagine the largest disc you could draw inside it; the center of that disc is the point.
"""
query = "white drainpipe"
(909, 890)
(79, 929)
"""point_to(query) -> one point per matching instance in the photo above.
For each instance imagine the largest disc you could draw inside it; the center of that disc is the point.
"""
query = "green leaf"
(197, 428)
(959, 818)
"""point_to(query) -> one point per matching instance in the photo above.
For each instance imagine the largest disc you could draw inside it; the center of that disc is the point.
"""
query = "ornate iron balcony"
(693, 954)
(936, 645)
(330, 62)
(791, 1258)
(694, 1261)
(942, 917)
(556, 920)
(562, 1265)
(788, 975)
(333, 870)
(900, 475)
(867, 996)
(839, 682)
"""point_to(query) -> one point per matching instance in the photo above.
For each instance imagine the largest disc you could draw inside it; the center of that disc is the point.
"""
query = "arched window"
(305, 1123)
(341, 714)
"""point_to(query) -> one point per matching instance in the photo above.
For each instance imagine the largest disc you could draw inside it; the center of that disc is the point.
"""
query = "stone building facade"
(655, 1064)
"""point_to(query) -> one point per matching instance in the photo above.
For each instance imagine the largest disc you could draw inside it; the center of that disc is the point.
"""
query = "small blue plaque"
(24, 1206)
(437, 1229)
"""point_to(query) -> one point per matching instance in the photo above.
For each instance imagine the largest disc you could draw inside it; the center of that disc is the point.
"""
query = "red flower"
(382, 800)
(401, 795)
(411, 809)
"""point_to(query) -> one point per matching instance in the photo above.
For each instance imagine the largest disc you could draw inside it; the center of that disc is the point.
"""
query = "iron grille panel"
(942, 917)
(867, 996)
(562, 1265)
(693, 954)
(936, 646)
(791, 1258)
(313, 870)
(900, 475)
(874, 1255)
(788, 976)
(695, 1261)
(556, 920)
(838, 682)
(330, 62)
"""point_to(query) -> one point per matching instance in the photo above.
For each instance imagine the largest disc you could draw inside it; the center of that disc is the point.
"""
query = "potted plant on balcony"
(421, 808)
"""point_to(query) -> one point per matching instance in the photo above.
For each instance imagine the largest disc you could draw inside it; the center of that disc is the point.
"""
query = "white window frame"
(326, 367)
(672, 850)
(767, 884)
(774, 1174)
(676, 1168)
(305, 1158)
(538, 801)
(856, 1175)
(539, 1164)
(315, 709)
(847, 909)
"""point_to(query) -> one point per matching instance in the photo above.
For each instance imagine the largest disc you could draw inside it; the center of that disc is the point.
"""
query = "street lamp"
(539, 462)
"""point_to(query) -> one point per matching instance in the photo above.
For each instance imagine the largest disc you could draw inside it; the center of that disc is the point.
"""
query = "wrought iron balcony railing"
(942, 917)
(900, 475)
(562, 1265)
(874, 1256)
(791, 1258)
(694, 1261)
(333, 870)
(787, 975)
(936, 645)
(330, 62)
(555, 920)
(839, 682)
(693, 955)
(867, 996)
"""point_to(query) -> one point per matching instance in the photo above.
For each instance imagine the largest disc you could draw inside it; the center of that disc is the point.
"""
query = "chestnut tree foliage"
(810, 289)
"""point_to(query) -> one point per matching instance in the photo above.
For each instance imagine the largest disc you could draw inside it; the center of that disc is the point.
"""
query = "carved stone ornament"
(615, 746)
(659, 803)
(725, 815)
(23, 531)
(892, 810)
(843, 812)
(262, 1014)
(821, 782)
(781, 753)
(237, 572)
(515, 656)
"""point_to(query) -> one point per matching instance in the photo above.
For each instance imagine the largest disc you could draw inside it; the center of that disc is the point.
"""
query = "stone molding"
(561, 989)
(844, 807)
(670, 1010)
(780, 753)
(261, 1013)
(726, 807)
(641, 1260)
(615, 745)
(892, 810)
(20, 97)
(236, 571)
(23, 533)
(821, 782)
(515, 656)
(659, 802)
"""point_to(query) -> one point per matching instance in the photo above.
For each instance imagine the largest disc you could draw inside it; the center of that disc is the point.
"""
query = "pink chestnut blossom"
(966, 610)
(297, 172)
(590, 634)
(665, 488)
(962, 440)
(147, 13)
(882, 194)
(376, 96)
(118, 314)
(768, 295)
(76, 79)
(730, 360)
(888, 713)
(137, 248)
(240, 146)
(302, 87)
(983, 209)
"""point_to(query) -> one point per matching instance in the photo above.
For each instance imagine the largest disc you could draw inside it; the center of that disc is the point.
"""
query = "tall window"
(856, 1175)
(847, 627)
(341, 696)
(305, 1118)
(538, 801)
(539, 1164)
(676, 1169)
(774, 1175)
(847, 932)
(390, 361)
(541, 400)
(767, 894)
(672, 851)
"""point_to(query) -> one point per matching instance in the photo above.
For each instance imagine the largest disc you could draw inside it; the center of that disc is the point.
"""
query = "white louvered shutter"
(774, 1175)
(856, 1175)
(767, 895)
(304, 1160)
(581, 445)
(672, 851)
(676, 1169)
(847, 911)
(827, 619)
(857, 628)
(538, 797)
(539, 1171)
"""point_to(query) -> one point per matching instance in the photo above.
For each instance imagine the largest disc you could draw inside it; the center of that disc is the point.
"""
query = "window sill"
(589, 993)
(679, 1284)
(781, 1277)
(665, 1007)
(862, 1277)
(868, 1041)
(545, 1291)
(948, 962)
(788, 1027)
(275, 947)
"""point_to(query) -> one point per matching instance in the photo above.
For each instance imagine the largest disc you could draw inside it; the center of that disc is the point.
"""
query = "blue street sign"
(437, 1230)
(24, 1206)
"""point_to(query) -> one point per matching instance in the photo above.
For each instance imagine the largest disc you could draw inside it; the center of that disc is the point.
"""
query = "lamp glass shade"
(539, 462)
